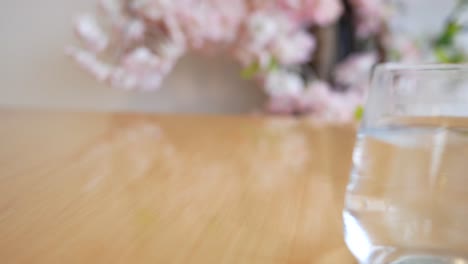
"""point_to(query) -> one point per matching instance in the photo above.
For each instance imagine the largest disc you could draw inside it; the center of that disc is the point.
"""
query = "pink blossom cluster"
(291, 95)
(370, 15)
(135, 44)
(139, 41)
(319, 12)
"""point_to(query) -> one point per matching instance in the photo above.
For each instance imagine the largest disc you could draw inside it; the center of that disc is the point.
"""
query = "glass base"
(429, 260)
(387, 255)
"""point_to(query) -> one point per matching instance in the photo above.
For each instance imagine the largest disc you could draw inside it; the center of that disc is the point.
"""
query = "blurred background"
(203, 189)
(37, 72)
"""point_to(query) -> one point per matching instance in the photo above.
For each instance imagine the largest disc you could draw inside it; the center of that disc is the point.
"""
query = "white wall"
(34, 71)
(426, 16)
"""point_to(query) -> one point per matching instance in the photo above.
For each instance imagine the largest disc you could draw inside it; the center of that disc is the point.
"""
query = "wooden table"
(128, 188)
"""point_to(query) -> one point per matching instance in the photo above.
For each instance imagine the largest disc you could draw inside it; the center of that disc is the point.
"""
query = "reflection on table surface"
(130, 188)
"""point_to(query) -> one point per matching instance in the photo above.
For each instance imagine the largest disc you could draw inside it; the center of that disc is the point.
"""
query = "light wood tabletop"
(134, 188)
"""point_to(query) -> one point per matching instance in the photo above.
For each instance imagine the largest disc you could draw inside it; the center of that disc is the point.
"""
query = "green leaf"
(448, 55)
(250, 71)
(359, 113)
(441, 55)
(274, 64)
(448, 35)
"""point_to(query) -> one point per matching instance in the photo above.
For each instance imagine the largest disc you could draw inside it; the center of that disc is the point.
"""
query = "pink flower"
(111, 9)
(154, 10)
(315, 98)
(285, 90)
(261, 28)
(319, 101)
(293, 49)
(282, 83)
(202, 22)
(282, 105)
(257, 37)
(89, 32)
(210, 21)
(342, 108)
(370, 15)
(174, 31)
(325, 12)
(269, 35)
(134, 31)
(355, 69)
(140, 69)
(325, 105)
(320, 12)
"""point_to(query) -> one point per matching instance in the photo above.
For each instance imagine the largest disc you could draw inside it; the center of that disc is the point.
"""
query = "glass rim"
(392, 66)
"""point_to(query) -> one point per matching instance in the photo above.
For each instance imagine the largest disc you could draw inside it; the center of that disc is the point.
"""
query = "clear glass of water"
(407, 199)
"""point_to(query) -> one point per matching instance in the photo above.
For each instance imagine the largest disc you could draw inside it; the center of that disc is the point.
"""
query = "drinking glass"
(407, 198)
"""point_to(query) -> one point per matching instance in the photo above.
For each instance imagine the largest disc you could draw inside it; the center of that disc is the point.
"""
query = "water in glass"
(407, 199)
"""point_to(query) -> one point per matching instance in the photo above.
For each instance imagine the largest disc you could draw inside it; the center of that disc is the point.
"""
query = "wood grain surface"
(129, 188)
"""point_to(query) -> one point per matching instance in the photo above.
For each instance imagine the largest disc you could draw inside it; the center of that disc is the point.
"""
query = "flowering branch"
(137, 43)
